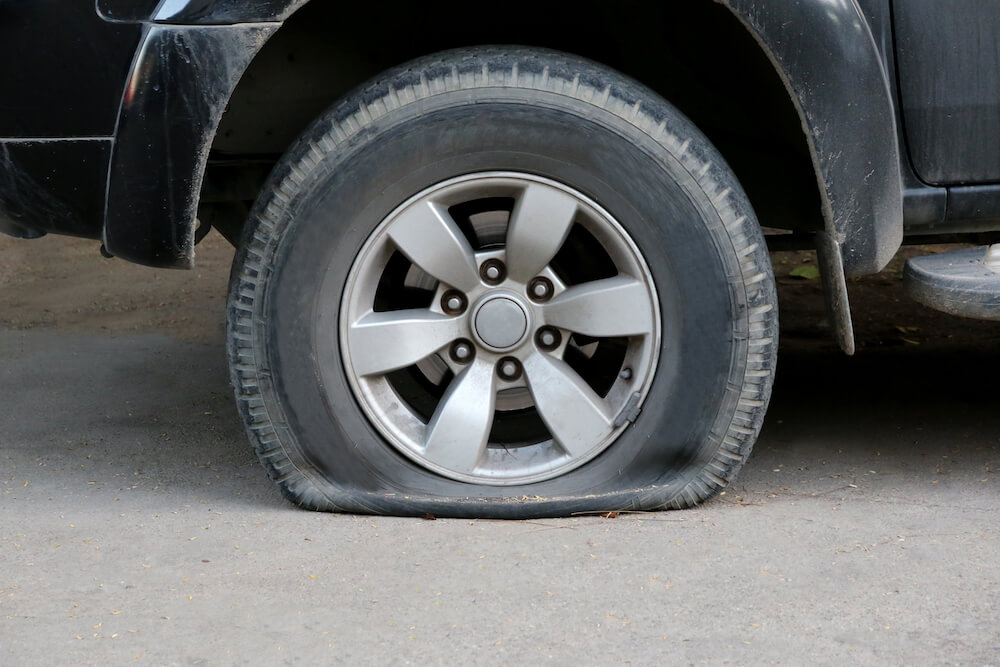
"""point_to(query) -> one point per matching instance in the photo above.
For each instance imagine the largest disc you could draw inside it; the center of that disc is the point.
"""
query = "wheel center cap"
(500, 322)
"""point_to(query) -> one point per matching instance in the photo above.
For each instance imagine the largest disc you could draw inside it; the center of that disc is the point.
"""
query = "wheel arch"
(828, 60)
(731, 67)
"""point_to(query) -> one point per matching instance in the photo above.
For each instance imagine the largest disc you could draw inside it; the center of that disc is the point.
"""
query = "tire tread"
(502, 67)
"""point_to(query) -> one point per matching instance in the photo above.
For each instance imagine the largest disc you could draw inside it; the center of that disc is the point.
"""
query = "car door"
(948, 56)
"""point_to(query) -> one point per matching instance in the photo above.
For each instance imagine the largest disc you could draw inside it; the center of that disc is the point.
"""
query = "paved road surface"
(135, 527)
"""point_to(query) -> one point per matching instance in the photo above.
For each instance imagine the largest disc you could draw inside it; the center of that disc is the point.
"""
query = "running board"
(961, 282)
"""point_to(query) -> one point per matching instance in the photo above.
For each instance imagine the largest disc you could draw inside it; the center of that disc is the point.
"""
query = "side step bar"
(961, 282)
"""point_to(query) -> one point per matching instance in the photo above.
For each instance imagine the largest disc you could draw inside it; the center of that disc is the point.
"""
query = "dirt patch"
(64, 282)
(884, 317)
(61, 282)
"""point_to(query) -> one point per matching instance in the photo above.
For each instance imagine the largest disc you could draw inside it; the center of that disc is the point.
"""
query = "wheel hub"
(500, 322)
(500, 367)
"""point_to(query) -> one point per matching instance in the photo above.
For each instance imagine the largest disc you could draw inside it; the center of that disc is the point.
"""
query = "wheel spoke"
(576, 417)
(460, 428)
(539, 223)
(433, 379)
(618, 306)
(383, 342)
(427, 235)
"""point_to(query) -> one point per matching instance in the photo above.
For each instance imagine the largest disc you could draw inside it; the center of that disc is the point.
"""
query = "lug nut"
(453, 302)
(540, 289)
(509, 368)
(461, 351)
(493, 271)
(548, 338)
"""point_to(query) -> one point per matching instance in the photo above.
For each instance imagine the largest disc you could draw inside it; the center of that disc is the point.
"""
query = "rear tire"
(656, 285)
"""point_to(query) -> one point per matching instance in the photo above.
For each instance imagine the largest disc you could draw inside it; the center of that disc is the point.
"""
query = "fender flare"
(193, 53)
(827, 57)
(191, 56)
(178, 88)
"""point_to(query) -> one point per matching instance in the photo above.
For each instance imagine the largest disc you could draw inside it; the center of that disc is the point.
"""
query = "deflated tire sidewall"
(334, 190)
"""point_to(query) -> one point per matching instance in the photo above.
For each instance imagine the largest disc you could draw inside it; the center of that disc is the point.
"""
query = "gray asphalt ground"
(137, 528)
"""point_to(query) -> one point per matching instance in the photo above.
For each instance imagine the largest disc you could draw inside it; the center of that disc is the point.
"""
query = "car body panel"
(829, 61)
(60, 89)
(181, 79)
(63, 69)
(949, 86)
(53, 185)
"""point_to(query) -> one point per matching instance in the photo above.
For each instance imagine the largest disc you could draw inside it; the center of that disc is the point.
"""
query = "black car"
(478, 279)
